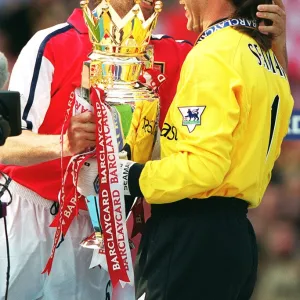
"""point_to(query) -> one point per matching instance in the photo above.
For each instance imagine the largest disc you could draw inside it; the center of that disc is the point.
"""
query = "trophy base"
(94, 241)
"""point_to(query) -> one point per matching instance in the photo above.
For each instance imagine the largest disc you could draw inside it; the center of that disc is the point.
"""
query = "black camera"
(10, 115)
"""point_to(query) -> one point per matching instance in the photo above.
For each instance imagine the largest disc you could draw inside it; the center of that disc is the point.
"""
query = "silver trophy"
(120, 53)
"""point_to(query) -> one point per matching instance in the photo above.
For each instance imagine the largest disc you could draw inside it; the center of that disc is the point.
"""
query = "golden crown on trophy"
(113, 35)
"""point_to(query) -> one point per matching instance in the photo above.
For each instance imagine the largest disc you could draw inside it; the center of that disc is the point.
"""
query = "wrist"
(134, 177)
(51, 146)
(131, 172)
(279, 42)
(63, 146)
(280, 51)
(280, 45)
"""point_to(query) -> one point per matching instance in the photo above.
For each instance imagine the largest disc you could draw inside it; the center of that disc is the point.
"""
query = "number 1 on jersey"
(274, 112)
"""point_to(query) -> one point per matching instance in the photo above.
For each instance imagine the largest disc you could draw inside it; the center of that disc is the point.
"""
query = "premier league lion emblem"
(191, 116)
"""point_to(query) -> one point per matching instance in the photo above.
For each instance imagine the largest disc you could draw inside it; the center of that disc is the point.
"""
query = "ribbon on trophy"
(69, 203)
(111, 195)
(111, 198)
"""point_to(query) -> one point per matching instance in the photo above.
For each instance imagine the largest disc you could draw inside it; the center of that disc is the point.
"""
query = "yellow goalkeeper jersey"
(223, 131)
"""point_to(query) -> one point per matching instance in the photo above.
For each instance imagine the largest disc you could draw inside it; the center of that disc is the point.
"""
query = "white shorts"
(30, 243)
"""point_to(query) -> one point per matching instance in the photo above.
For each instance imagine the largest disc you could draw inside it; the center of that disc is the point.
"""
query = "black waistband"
(202, 206)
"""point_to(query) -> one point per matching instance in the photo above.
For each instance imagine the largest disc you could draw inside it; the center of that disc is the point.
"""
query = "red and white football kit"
(46, 73)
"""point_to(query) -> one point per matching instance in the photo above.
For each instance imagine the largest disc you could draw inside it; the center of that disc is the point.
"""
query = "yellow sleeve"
(201, 157)
(142, 132)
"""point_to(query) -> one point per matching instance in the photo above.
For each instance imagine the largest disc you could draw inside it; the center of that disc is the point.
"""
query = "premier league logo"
(191, 116)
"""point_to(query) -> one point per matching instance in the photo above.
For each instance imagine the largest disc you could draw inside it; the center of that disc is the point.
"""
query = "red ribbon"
(110, 208)
(115, 260)
(68, 203)
(138, 218)
(69, 207)
(157, 79)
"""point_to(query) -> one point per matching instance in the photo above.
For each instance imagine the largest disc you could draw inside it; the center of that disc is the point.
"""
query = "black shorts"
(197, 249)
